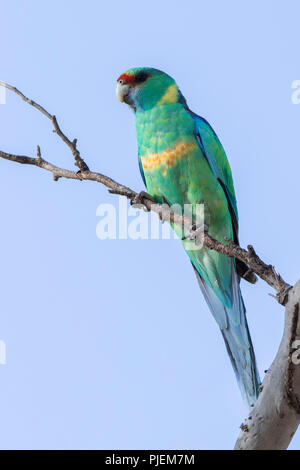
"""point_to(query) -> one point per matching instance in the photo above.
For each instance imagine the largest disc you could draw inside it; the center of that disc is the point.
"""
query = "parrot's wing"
(216, 157)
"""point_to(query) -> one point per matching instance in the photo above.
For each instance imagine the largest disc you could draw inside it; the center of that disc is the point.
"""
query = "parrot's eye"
(121, 81)
(141, 77)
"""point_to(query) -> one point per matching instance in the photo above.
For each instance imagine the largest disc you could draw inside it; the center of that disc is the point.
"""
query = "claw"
(196, 233)
(79, 172)
(138, 200)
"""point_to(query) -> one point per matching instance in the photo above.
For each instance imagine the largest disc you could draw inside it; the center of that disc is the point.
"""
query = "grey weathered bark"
(276, 414)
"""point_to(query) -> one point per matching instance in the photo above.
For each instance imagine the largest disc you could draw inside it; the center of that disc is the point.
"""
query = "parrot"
(182, 161)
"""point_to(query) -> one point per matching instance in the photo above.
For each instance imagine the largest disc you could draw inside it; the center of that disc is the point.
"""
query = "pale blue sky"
(96, 357)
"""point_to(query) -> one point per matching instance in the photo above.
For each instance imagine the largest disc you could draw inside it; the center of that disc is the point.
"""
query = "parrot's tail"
(236, 335)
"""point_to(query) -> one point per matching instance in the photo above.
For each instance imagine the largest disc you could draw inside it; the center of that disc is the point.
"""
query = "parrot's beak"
(122, 91)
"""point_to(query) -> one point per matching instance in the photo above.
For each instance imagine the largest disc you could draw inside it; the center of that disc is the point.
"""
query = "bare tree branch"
(276, 415)
(249, 257)
(71, 144)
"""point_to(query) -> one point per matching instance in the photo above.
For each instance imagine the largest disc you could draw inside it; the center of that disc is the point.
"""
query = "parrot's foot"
(197, 233)
(138, 201)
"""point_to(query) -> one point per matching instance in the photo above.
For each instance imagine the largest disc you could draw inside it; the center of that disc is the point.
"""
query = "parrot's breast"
(167, 158)
(174, 166)
(162, 128)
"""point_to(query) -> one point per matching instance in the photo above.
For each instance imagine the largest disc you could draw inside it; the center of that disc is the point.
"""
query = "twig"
(71, 144)
(250, 258)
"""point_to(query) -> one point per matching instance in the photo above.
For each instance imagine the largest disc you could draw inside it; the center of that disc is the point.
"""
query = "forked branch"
(249, 257)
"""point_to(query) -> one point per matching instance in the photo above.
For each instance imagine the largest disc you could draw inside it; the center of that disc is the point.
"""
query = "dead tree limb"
(276, 415)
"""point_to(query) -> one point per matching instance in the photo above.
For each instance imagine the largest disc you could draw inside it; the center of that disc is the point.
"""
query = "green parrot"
(183, 162)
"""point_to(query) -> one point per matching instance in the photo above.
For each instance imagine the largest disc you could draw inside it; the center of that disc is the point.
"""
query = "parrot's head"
(143, 88)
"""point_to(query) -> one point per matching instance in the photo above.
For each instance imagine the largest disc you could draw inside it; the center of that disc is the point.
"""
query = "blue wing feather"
(142, 170)
(217, 160)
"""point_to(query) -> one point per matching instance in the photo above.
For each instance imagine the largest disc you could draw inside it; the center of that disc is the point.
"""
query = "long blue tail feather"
(236, 335)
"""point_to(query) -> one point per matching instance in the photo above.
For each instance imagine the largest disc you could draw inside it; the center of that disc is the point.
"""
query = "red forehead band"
(126, 77)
